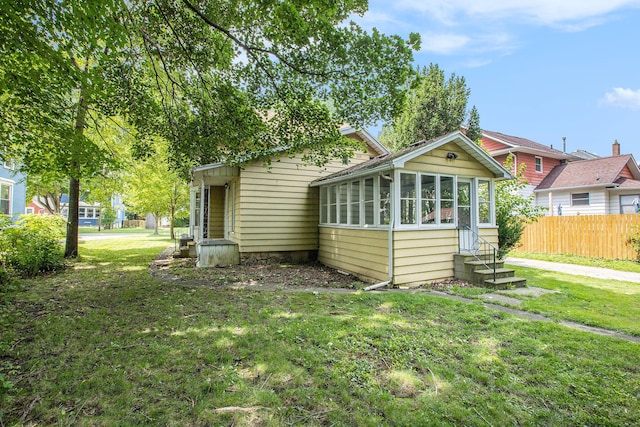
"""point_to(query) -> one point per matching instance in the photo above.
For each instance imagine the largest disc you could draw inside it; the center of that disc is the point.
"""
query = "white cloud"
(621, 97)
(444, 44)
(560, 13)
(452, 44)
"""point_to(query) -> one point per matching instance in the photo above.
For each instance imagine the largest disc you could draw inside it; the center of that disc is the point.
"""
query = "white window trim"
(535, 165)
(9, 184)
(492, 202)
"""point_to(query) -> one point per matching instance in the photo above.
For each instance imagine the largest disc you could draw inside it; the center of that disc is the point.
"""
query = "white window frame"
(491, 202)
(536, 164)
(8, 184)
(588, 199)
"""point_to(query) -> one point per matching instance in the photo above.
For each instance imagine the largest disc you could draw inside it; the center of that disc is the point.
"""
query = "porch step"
(483, 264)
(480, 276)
(506, 282)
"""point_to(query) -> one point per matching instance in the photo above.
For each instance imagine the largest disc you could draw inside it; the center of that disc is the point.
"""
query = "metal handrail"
(484, 250)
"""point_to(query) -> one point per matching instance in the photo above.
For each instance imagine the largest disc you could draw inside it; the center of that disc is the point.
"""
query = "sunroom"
(401, 217)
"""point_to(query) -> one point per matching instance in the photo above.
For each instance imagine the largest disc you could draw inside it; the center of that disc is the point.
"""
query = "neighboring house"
(539, 159)
(605, 185)
(89, 213)
(385, 217)
(36, 206)
(13, 191)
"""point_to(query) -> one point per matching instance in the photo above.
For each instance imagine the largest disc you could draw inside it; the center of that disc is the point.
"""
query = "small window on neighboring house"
(580, 199)
(539, 164)
(630, 204)
(28, 210)
(8, 165)
(5, 198)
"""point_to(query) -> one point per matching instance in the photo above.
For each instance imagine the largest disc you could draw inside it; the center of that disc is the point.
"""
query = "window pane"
(355, 203)
(484, 202)
(385, 201)
(5, 192)
(323, 205)
(446, 200)
(333, 213)
(446, 211)
(343, 203)
(408, 198)
(428, 193)
(4, 206)
(82, 212)
(580, 199)
(369, 216)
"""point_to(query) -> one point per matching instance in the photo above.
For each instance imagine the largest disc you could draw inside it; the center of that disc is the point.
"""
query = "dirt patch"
(258, 274)
(446, 285)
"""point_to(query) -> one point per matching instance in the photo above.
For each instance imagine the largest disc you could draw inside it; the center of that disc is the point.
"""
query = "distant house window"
(8, 165)
(29, 210)
(580, 199)
(630, 204)
(539, 164)
(5, 198)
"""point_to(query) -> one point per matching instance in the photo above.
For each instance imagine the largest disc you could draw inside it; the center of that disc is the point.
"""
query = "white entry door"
(467, 222)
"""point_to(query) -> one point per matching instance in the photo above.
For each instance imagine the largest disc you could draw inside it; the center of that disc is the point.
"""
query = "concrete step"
(481, 275)
(506, 282)
(481, 265)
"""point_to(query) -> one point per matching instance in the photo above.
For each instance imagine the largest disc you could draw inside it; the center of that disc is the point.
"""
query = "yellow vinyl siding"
(436, 162)
(360, 252)
(490, 234)
(421, 256)
(216, 212)
(278, 211)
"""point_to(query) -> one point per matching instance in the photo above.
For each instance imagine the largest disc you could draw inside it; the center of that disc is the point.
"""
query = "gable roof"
(399, 158)
(601, 172)
(514, 144)
(345, 130)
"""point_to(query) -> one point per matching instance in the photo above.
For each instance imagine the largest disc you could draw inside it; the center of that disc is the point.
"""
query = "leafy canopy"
(434, 107)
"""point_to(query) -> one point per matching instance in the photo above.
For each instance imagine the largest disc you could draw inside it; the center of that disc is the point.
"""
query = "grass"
(162, 231)
(614, 264)
(608, 304)
(105, 344)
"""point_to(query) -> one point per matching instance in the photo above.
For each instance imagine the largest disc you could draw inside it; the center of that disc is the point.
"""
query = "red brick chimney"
(616, 148)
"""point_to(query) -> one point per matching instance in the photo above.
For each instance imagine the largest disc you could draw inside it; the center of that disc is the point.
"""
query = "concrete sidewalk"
(579, 270)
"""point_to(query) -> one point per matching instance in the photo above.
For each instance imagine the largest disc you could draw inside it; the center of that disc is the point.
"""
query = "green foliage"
(32, 245)
(633, 241)
(474, 132)
(513, 210)
(435, 106)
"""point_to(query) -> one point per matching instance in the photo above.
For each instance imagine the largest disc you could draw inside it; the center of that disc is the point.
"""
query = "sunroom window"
(428, 197)
(446, 200)
(368, 202)
(408, 206)
(344, 205)
(355, 203)
(333, 198)
(385, 201)
(484, 202)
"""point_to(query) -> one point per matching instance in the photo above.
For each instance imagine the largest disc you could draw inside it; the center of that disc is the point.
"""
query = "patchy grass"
(104, 344)
(609, 304)
(614, 264)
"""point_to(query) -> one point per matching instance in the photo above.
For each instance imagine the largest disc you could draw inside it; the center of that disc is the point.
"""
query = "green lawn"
(615, 264)
(609, 304)
(104, 344)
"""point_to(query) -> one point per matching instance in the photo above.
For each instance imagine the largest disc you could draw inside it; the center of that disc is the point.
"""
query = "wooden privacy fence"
(593, 236)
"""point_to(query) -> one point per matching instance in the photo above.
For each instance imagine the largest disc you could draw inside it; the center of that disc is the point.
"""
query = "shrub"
(633, 241)
(33, 244)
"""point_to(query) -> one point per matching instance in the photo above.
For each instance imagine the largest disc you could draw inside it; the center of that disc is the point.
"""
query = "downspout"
(390, 236)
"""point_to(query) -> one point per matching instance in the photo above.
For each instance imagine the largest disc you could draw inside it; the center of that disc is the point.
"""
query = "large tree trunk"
(71, 244)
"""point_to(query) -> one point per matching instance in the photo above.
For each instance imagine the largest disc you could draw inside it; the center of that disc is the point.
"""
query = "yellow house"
(401, 217)
(391, 218)
(242, 214)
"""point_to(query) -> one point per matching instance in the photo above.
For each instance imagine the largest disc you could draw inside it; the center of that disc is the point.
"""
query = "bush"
(633, 241)
(33, 244)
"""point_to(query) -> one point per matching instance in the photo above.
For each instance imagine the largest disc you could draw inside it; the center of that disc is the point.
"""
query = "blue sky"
(538, 69)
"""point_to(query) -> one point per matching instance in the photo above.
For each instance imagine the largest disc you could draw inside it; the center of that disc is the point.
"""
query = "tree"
(434, 107)
(513, 210)
(220, 80)
(153, 187)
(474, 132)
(47, 189)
